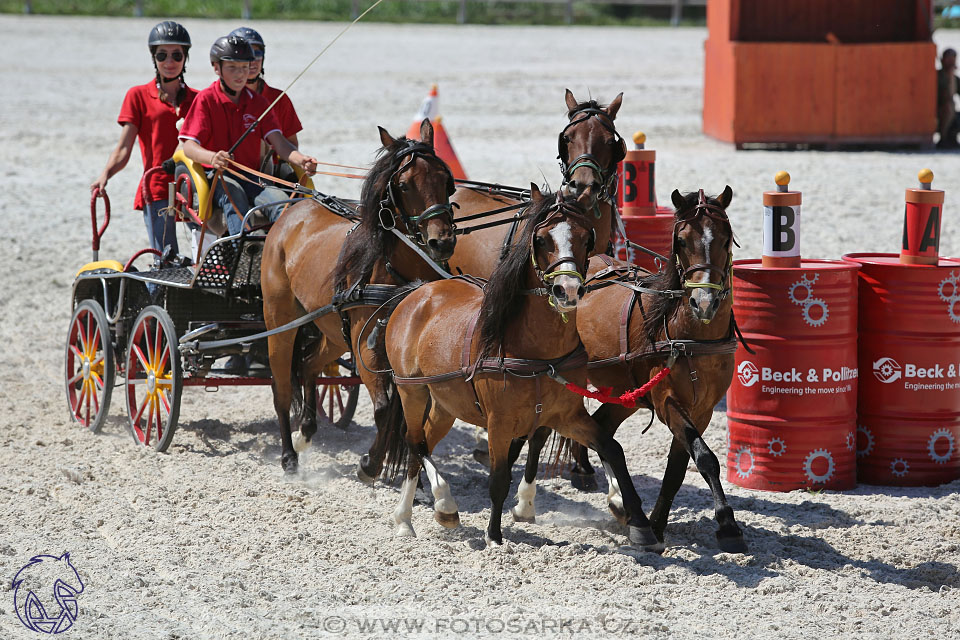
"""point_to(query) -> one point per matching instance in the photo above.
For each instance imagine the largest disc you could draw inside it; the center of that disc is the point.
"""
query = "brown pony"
(681, 317)
(525, 320)
(312, 253)
(589, 150)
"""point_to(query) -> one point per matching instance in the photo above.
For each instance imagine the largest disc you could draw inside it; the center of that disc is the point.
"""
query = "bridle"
(390, 204)
(562, 209)
(718, 214)
(608, 175)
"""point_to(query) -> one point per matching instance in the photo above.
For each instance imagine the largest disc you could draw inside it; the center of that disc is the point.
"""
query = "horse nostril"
(693, 304)
(558, 292)
(433, 244)
(581, 292)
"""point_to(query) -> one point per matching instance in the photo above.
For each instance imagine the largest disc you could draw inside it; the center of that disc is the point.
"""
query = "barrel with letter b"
(791, 407)
(644, 222)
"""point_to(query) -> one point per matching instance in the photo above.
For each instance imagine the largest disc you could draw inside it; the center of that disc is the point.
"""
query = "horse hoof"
(448, 520)
(519, 517)
(733, 544)
(300, 443)
(491, 543)
(404, 530)
(364, 478)
(618, 513)
(645, 538)
(289, 464)
(584, 481)
(482, 456)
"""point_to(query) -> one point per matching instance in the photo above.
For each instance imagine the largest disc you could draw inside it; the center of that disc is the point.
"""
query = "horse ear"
(385, 138)
(615, 106)
(426, 132)
(725, 197)
(678, 202)
(535, 194)
(570, 100)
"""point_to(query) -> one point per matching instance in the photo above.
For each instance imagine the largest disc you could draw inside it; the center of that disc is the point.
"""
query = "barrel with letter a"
(908, 422)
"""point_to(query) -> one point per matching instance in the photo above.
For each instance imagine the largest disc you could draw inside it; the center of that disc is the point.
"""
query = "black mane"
(369, 242)
(503, 293)
(662, 307)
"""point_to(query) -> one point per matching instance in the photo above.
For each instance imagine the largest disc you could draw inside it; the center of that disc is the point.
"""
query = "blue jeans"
(245, 195)
(161, 229)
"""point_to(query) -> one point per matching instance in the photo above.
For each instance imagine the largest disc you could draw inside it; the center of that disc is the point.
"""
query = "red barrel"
(791, 408)
(655, 232)
(909, 404)
(636, 192)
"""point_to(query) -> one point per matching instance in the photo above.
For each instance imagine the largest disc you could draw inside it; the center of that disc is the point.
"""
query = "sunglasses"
(162, 55)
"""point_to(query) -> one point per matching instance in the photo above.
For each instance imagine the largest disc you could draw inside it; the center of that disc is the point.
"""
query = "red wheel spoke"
(163, 397)
(140, 357)
(330, 405)
(96, 398)
(75, 378)
(340, 400)
(76, 351)
(163, 360)
(88, 394)
(86, 335)
(157, 336)
(143, 405)
(149, 419)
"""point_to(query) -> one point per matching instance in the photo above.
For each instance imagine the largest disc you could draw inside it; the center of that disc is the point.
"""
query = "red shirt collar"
(245, 94)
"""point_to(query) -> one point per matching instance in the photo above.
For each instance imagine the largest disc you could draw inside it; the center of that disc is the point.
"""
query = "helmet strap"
(226, 89)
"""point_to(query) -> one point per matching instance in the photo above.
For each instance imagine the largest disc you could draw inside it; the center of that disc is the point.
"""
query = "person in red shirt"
(150, 113)
(286, 115)
(218, 118)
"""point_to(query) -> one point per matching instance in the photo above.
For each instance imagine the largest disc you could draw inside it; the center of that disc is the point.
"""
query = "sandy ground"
(211, 540)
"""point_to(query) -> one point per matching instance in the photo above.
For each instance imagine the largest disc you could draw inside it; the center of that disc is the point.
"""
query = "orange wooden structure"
(820, 72)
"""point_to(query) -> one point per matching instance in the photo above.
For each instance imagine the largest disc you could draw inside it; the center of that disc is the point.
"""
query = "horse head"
(416, 196)
(45, 593)
(590, 148)
(702, 246)
(561, 241)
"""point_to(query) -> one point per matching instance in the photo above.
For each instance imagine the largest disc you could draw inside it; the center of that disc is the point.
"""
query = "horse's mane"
(369, 242)
(662, 307)
(503, 293)
(586, 104)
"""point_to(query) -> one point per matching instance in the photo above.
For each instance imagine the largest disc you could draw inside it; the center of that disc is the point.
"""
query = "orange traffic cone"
(429, 108)
(444, 150)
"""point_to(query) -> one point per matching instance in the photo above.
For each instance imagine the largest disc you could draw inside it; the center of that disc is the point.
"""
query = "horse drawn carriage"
(153, 332)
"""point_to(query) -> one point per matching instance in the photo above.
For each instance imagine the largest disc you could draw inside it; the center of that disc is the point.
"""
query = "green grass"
(439, 11)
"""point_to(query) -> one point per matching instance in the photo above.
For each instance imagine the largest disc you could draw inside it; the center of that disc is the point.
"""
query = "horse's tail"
(394, 421)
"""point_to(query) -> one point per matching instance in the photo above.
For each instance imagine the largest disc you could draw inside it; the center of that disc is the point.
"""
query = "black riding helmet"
(251, 36)
(168, 32)
(231, 49)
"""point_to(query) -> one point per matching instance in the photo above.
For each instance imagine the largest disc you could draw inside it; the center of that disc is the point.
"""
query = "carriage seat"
(202, 205)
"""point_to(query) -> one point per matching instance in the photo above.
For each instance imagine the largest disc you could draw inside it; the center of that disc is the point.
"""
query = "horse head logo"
(45, 594)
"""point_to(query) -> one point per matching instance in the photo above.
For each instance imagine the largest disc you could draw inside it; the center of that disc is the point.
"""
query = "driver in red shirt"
(219, 116)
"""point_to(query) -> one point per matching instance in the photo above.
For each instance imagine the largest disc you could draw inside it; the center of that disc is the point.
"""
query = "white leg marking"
(300, 444)
(526, 493)
(442, 498)
(404, 510)
(613, 493)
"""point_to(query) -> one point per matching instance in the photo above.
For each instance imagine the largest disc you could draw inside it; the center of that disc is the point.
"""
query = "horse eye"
(682, 243)
(540, 241)
(402, 186)
(566, 139)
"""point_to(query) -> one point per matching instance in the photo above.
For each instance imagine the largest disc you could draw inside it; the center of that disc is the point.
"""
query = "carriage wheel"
(89, 370)
(338, 402)
(154, 379)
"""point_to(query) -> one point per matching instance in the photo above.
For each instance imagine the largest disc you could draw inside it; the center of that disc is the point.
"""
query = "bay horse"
(589, 149)
(312, 254)
(490, 357)
(681, 317)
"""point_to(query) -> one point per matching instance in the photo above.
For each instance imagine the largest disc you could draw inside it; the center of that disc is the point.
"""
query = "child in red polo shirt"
(286, 115)
(219, 116)
(150, 112)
